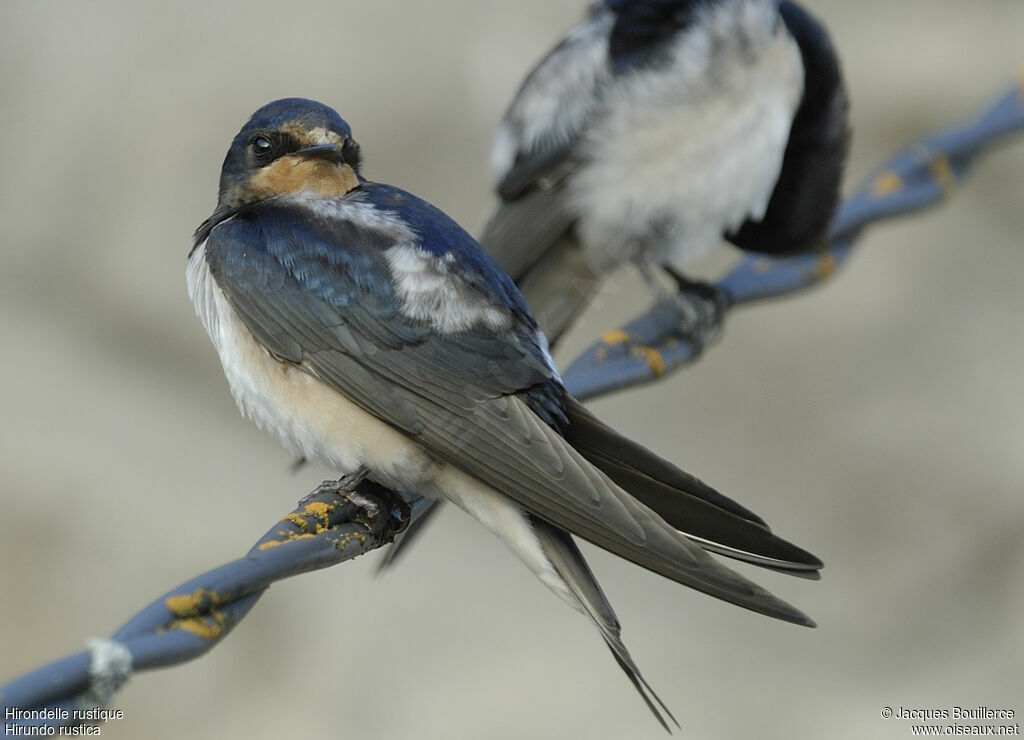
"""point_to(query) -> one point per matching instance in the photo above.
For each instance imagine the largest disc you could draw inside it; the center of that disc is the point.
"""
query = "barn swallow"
(365, 329)
(656, 127)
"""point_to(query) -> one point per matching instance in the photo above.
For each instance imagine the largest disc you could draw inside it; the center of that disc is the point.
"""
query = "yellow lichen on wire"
(287, 537)
(653, 359)
(315, 511)
(321, 512)
(886, 183)
(942, 171)
(190, 607)
(208, 628)
(825, 266)
(298, 520)
(615, 336)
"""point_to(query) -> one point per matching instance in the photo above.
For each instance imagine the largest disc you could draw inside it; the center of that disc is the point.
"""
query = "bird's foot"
(701, 306)
(673, 332)
(343, 486)
(381, 510)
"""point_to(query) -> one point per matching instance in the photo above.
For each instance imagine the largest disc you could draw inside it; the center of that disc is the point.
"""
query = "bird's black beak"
(320, 151)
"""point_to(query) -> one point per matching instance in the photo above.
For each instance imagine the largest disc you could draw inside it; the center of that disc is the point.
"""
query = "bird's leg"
(693, 313)
(344, 485)
(649, 272)
(675, 330)
(383, 511)
(702, 304)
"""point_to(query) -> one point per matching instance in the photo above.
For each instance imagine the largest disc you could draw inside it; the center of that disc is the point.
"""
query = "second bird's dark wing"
(535, 147)
(807, 192)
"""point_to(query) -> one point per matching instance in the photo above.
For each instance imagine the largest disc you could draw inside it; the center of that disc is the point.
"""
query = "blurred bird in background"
(653, 129)
(363, 328)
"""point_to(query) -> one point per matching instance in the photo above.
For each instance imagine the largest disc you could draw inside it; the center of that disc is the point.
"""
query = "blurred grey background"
(878, 421)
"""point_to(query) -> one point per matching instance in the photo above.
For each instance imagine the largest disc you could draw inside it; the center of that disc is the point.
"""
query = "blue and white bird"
(363, 328)
(655, 128)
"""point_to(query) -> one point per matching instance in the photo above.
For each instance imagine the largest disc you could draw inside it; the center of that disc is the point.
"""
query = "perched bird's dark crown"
(306, 113)
(641, 25)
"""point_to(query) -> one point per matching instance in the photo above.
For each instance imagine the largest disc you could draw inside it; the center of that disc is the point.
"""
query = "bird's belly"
(306, 415)
(680, 158)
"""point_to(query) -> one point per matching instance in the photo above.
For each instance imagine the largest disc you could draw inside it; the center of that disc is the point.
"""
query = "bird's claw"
(701, 306)
(381, 510)
(341, 487)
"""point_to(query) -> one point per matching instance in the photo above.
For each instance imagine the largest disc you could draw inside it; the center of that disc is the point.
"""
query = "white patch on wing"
(558, 96)
(307, 416)
(354, 209)
(682, 153)
(430, 291)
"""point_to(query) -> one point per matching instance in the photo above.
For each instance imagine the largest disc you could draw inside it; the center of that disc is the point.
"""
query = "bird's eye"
(261, 146)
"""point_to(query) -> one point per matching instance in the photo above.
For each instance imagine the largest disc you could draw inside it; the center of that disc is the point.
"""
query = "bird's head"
(290, 146)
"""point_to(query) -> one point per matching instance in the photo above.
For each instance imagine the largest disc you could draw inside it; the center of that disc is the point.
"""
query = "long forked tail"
(568, 562)
(705, 516)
